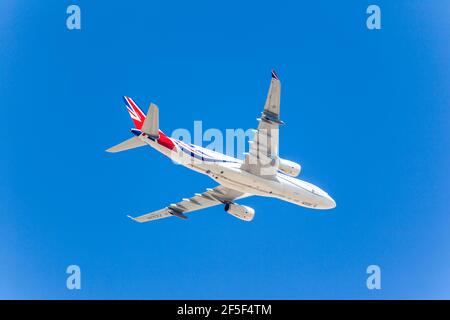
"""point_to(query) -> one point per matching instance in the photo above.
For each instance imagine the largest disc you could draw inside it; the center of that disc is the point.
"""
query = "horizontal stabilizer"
(132, 143)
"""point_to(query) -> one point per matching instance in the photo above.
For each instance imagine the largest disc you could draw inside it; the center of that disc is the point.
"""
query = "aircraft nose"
(328, 203)
(332, 203)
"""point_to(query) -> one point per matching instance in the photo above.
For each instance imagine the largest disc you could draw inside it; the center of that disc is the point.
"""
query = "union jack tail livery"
(146, 126)
(135, 112)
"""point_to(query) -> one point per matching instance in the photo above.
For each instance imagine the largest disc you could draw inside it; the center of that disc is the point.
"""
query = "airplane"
(261, 173)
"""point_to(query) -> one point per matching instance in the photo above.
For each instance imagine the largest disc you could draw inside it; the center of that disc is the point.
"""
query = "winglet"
(132, 218)
(274, 75)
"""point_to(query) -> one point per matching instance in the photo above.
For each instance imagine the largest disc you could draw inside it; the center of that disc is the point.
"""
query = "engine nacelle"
(241, 212)
(290, 168)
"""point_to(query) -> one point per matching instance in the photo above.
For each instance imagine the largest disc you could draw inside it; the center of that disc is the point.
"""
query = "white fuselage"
(227, 172)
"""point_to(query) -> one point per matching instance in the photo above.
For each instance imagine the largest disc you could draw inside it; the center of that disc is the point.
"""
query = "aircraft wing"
(211, 197)
(263, 150)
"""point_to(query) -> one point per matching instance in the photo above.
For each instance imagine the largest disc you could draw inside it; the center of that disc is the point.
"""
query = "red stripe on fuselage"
(165, 141)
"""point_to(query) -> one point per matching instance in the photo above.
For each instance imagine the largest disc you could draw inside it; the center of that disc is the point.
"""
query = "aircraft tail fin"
(135, 112)
(147, 125)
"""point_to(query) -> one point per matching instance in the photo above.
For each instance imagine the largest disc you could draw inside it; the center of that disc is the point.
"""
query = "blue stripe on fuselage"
(193, 154)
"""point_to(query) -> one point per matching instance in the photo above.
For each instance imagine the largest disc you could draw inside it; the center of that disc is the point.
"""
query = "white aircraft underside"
(262, 173)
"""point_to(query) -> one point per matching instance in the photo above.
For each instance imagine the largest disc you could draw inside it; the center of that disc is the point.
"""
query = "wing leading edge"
(212, 197)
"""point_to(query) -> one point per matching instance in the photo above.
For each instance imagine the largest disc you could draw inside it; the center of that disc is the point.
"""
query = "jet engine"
(241, 212)
(290, 168)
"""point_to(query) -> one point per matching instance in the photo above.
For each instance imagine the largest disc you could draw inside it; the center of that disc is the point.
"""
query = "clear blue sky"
(366, 112)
